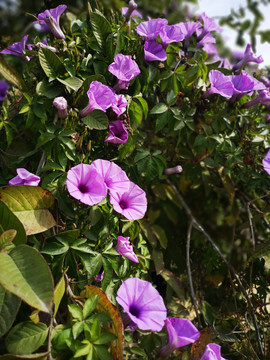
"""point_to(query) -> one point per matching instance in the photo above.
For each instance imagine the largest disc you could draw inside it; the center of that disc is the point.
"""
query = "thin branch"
(192, 293)
(230, 267)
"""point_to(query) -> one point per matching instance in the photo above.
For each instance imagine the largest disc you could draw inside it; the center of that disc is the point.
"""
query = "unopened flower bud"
(175, 170)
(61, 104)
(131, 7)
(54, 27)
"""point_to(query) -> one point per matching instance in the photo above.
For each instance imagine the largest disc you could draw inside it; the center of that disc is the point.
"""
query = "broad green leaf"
(101, 27)
(97, 119)
(89, 306)
(50, 63)
(26, 337)
(10, 74)
(72, 82)
(59, 292)
(161, 235)
(92, 263)
(116, 327)
(50, 90)
(7, 237)
(25, 273)
(9, 221)
(30, 204)
(37, 356)
(104, 338)
(76, 311)
(159, 109)
(9, 306)
(135, 112)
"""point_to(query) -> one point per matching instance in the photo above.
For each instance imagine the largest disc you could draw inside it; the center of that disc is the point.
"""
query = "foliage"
(206, 228)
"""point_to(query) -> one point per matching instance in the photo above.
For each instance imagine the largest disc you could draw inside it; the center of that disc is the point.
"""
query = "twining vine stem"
(194, 221)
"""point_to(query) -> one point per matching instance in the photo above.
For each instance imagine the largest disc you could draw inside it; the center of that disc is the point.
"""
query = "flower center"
(123, 204)
(83, 188)
(134, 310)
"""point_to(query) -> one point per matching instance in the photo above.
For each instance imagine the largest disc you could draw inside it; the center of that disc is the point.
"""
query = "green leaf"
(89, 306)
(208, 312)
(72, 82)
(75, 311)
(26, 337)
(10, 74)
(17, 276)
(50, 63)
(59, 292)
(161, 235)
(104, 338)
(101, 27)
(30, 204)
(97, 119)
(77, 329)
(135, 112)
(92, 264)
(50, 90)
(9, 221)
(37, 356)
(7, 237)
(159, 109)
(9, 306)
(102, 352)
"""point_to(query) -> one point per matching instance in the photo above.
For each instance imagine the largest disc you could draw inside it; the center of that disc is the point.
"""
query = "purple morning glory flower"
(210, 49)
(24, 177)
(125, 69)
(17, 49)
(208, 38)
(265, 81)
(209, 25)
(248, 57)
(180, 332)
(151, 28)
(132, 204)
(118, 133)
(119, 104)
(262, 98)
(3, 89)
(101, 97)
(51, 19)
(131, 11)
(188, 29)
(244, 83)
(220, 84)
(142, 304)
(125, 248)
(212, 352)
(61, 105)
(85, 184)
(113, 176)
(266, 162)
(154, 51)
(171, 33)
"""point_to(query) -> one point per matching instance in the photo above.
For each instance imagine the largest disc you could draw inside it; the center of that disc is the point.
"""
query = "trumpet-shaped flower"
(125, 69)
(180, 332)
(3, 89)
(118, 133)
(101, 97)
(154, 51)
(248, 57)
(17, 49)
(142, 304)
(171, 33)
(266, 163)
(212, 352)
(24, 177)
(112, 175)
(85, 184)
(220, 84)
(125, 248)
(132, 204)
(51, 19)
(262, 98)
(151, 28)
(119, 104)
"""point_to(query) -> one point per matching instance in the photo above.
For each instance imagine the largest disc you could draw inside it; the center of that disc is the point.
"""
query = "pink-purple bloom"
(175, 170)
(266, 162)
(118, 133)
(85, 184)
(209, 25)
(180, 332)
(51, 19)
(248, 57)
(125, 69)
(262, 98)
(131, 11)
(188, 29)
(154, 51)
(125, 248)
(212, 352)
(132, 204)
(119, 104)
(61, 105)
(24, 177)
(142, 304)
(3, 89)
(101, 97)
(17, 49)
(113, 176)
(171, 33)
(151, 28)
(220, 84)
